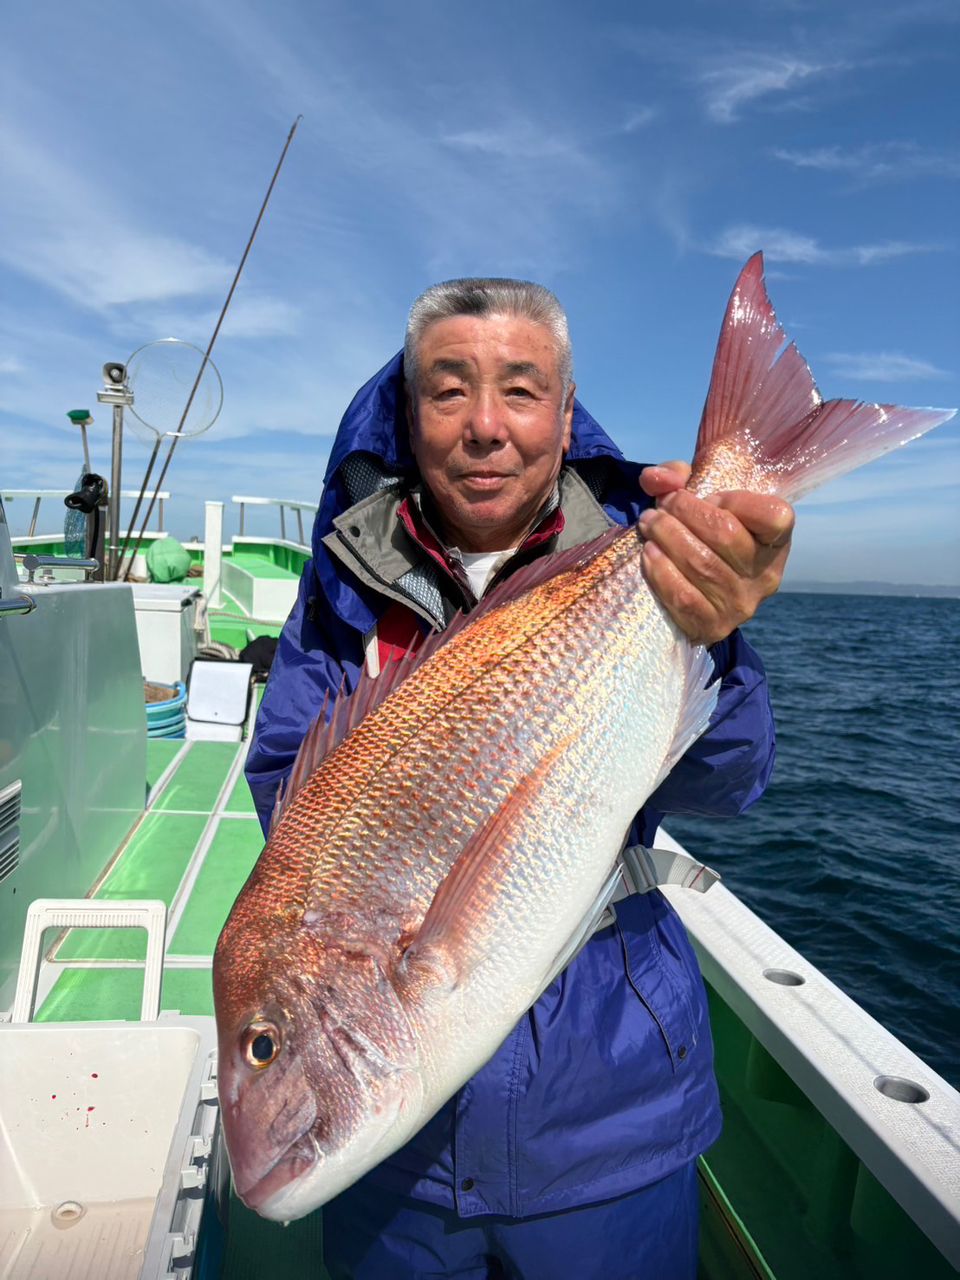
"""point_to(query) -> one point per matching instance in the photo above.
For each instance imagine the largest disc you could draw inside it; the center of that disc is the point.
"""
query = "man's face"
(489, 426)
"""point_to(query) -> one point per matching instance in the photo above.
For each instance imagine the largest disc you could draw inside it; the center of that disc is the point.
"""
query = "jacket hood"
(375, 422)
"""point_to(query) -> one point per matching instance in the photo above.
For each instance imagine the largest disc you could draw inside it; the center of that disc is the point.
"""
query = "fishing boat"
(126, 831)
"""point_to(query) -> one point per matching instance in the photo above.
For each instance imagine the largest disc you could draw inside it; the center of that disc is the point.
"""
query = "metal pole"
(300, 524)
(136, 512)
(216, 330)
(283, 523)
(213, 554)
(33, 518)
(86, 447)
(113, 509)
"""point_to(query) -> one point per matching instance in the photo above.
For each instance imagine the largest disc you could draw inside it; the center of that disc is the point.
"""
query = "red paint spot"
(93, 1074)
(52, 1096)
(91, 1108)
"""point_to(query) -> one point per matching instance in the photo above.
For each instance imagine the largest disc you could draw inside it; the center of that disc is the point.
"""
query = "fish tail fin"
(765, 425)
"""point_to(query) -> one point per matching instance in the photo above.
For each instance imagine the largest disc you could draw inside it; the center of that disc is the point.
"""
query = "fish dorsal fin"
(765, 425)
(338, 717)
(342, 712)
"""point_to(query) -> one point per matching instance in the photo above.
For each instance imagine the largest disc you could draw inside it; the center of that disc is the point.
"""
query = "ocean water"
(853, 853)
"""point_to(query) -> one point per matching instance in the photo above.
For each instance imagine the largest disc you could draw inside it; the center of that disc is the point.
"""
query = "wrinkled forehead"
(499, 343)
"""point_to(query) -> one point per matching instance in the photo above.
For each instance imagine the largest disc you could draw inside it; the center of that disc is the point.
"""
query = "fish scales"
(461, 725)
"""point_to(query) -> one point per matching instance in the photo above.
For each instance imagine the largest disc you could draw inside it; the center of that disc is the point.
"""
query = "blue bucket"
(168, 719)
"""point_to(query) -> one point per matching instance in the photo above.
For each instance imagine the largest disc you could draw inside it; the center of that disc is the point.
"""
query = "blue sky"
(629, 156)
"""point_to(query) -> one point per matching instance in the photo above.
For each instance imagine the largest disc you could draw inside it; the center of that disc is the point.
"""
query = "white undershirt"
(480, 566)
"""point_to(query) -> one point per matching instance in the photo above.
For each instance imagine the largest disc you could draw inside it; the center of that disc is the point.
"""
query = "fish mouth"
(298, 1159)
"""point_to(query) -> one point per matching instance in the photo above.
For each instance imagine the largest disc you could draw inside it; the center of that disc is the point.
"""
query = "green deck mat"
(151, 866)
(197, 783)
(240, 801)
(160, 751)
(105, 995)
(229, 859)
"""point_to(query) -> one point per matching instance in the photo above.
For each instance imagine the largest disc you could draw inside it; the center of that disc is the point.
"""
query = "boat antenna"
(175, 436)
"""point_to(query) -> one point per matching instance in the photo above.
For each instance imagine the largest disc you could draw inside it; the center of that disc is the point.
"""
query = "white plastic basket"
(106, 1131)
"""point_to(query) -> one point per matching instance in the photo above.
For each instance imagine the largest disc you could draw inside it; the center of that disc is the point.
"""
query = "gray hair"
(487, 297)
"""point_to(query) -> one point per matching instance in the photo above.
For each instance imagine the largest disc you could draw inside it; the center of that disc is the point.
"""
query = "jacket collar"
(389, 550)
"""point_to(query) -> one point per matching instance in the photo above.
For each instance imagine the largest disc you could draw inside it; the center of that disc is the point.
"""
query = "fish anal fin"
(701, 692)
(452, 939)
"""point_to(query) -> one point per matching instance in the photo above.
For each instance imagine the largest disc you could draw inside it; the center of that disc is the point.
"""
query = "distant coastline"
(868, 588)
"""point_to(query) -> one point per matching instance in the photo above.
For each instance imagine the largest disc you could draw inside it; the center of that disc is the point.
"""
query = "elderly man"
(572, 1151)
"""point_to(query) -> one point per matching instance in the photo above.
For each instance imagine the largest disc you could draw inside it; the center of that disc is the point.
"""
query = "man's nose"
(485, 423)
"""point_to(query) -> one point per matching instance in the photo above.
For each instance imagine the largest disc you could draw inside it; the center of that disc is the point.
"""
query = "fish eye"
(261, 1045)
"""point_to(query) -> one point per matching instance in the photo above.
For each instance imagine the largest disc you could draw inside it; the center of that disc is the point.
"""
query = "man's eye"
(519, 391)
(449, 393)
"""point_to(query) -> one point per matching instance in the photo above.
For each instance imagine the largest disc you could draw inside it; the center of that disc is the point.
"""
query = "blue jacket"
(607, 1084)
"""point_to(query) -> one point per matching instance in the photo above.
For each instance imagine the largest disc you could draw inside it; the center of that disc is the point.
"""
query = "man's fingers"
(665, 478)
(716, 528)
(709, 573)
(690, 610)
(770, 520)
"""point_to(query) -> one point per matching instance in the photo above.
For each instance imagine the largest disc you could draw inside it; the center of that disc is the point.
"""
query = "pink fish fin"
(277, 808)
(699, 701)
(451, 939)
(765, 425)
(338, 717)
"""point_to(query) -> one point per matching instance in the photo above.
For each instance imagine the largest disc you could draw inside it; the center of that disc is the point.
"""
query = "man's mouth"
(484, 479)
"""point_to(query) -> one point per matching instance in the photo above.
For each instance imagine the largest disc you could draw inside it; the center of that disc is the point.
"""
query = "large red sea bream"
(443, 837)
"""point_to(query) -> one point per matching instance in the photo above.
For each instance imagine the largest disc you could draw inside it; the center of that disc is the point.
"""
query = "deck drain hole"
(784, 977)
(900, 1090)
(66, 1214)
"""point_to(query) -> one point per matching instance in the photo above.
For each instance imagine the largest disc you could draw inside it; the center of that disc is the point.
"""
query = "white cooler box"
(167, 623)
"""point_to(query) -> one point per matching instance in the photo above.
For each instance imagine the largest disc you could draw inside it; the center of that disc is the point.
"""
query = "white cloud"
(882, 366)
(64, 231)
(11, 365)
(520, 139)
(743, 77)
(876, 162)
(424, 171)
(781, 245)
(638, 119)
(248, 317)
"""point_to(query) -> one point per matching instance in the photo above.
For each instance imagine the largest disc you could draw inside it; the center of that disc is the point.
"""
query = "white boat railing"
(11, 495)
(284, 505)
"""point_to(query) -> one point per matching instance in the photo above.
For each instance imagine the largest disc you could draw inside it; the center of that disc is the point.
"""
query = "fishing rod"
(176, 435)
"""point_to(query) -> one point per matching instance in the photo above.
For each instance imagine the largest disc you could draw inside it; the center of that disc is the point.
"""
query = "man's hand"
(711, 561)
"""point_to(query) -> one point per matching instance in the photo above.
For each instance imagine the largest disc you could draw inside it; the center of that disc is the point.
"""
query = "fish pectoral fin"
(454, 937)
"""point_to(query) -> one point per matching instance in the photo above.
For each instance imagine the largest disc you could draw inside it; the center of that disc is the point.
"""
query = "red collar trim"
(412, 520)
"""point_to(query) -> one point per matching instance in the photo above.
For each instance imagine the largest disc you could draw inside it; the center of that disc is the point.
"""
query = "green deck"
(200, 821)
